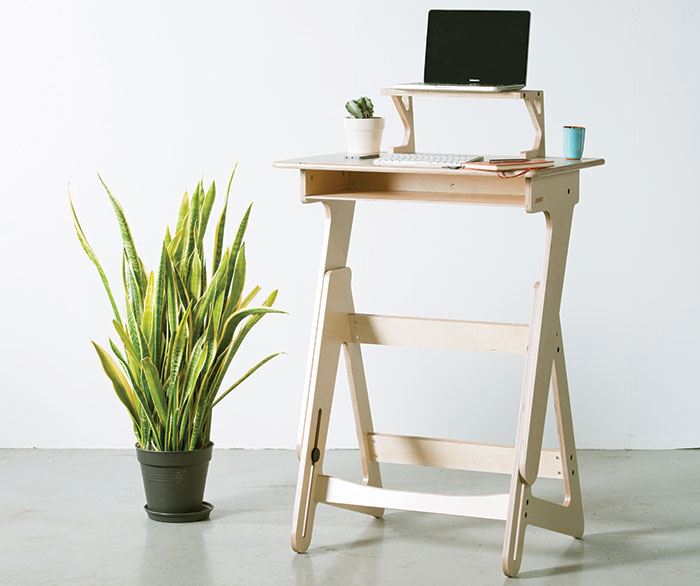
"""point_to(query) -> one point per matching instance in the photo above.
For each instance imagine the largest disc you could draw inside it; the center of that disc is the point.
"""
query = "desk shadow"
(615, 549)
(421, 528)
(305, 574)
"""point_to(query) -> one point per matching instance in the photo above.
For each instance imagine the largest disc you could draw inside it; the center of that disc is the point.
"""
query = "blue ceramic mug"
(573, 142)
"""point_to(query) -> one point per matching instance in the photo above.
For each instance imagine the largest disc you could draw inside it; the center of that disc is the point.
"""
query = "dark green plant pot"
(174, 483)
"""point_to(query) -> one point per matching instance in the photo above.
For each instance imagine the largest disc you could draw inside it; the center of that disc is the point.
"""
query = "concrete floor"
(75, 517)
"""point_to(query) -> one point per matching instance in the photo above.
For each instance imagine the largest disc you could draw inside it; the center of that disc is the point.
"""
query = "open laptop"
(475, 50)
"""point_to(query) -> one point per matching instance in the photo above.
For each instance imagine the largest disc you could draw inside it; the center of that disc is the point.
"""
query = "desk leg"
(331, 331)
(543, 342)
(336, 242)
(516, 523)
(363, 415)
(524, 509)
(544, 365)
(574, 523)
(520, 492)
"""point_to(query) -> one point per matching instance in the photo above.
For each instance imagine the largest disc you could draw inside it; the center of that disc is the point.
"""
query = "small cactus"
(360, 108)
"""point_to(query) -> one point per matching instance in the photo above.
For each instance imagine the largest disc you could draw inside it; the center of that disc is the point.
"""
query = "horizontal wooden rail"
(472, 336)
(493, 199)
(334, 491)
(457, 455)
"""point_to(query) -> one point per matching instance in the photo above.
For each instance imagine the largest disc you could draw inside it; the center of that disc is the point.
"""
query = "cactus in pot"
(363, 130)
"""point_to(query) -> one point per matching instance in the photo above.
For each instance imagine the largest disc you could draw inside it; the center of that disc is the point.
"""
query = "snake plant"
(180, 330)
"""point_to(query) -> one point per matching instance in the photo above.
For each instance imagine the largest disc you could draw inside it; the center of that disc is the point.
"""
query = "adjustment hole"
(571, 457)
(557, 348)
(526, 515)
(573, 472)
(568, 191)
(527, 502)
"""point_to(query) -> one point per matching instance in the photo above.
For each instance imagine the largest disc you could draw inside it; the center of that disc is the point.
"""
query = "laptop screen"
(482, 47)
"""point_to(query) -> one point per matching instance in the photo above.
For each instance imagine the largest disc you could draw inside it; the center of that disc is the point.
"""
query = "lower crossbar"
(334, 491)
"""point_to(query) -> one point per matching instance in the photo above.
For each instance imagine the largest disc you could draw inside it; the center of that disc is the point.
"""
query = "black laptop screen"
(484, 47)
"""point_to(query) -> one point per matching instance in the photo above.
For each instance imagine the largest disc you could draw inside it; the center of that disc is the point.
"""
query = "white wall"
(153, 95)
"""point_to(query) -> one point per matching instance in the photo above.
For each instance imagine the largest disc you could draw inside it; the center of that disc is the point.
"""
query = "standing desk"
(338, 184)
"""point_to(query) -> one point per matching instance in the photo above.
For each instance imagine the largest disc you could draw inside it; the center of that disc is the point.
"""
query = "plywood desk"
(339, 183)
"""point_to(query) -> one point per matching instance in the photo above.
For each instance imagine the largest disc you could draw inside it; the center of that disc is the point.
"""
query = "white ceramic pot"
(364, 135)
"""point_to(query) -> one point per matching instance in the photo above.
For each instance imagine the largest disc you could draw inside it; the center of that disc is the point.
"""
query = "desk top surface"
(338, 162)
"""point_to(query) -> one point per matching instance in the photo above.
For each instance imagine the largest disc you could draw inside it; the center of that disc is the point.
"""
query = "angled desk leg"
(556, 196)
(334, 255)
(331, 331)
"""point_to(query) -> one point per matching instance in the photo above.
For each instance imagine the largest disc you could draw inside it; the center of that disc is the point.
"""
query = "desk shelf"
(511, 95)
(403, 101)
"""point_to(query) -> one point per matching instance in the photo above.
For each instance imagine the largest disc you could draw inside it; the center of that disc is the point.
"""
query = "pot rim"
(209, 446)
(175, 459)
(364, 124)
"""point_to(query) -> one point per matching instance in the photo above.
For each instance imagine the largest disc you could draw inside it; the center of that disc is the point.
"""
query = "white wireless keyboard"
(425, 160)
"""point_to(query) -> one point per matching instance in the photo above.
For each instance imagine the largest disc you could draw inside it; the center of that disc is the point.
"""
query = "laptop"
(475, 50)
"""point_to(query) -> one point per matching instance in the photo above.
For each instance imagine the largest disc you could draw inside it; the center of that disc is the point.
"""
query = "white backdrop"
(155, 95)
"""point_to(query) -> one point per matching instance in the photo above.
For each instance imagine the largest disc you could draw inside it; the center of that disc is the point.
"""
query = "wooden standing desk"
(339, 183)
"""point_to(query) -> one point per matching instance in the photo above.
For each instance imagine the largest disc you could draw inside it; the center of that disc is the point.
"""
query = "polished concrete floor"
(75, 517)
